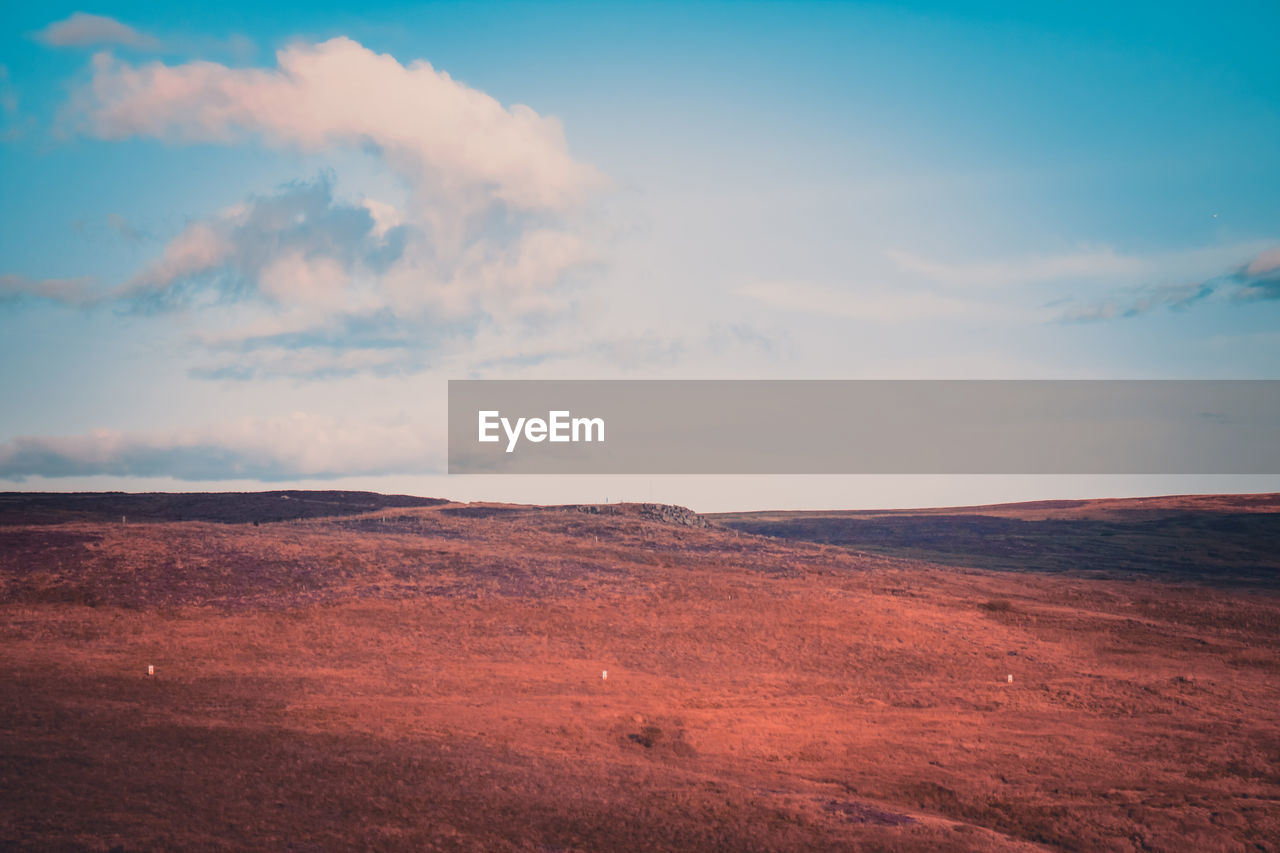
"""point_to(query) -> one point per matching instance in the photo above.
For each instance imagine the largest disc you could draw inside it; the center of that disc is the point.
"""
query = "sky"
(246, 245)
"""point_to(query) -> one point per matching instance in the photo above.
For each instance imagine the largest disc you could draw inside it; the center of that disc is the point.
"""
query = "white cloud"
(85, 30)
(326, 278)
(290, 447)
(198, 248)
(385, 216)
(297, 247)
(490, 230)
(443, 137)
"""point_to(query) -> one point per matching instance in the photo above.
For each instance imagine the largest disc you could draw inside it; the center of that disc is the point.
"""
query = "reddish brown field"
(430, 678)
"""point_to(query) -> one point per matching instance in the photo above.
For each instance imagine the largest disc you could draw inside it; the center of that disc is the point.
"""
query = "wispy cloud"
(78, 292)
(84, 30)
(8, 94)
(297, 446)
(876, 304)
(1260, 278)
(1089, 285)
(13, 124)
(379, 343)
(1100, 263)
(124, 229)
(1257, 279)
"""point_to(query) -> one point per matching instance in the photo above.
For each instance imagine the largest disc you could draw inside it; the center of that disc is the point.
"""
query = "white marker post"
(151, 670)
(1011, 679)
(604, 675)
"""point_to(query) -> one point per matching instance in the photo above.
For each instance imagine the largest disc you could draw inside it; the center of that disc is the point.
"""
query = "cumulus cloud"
(442, 136)
(296, 246)
(84, 30)
(489, 230)
(292, 447)
(345, 286)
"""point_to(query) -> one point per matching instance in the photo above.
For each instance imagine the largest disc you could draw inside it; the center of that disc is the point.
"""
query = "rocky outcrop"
(665, 513)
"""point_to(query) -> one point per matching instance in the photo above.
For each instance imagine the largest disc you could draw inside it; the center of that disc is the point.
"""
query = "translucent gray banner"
(864, 427)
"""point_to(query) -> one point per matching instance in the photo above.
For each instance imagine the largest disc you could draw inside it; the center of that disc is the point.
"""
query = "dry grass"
(433, 682)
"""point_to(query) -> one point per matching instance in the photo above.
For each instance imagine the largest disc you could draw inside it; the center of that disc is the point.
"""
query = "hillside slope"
(1219, 539)
(432, 678)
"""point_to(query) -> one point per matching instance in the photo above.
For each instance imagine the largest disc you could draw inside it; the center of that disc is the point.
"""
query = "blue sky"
(245, 244)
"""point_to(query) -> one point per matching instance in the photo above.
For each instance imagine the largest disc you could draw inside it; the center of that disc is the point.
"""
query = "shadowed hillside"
(1233, 539)
(20, 508)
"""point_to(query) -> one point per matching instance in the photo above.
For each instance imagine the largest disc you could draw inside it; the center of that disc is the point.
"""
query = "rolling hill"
(433, 677)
